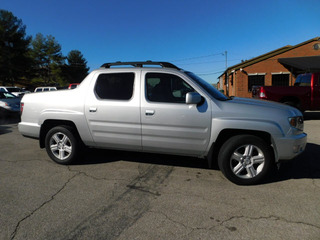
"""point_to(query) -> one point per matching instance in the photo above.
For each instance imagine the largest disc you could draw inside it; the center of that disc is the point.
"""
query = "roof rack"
(140, 64)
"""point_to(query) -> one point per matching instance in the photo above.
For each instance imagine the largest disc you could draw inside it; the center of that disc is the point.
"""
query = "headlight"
(296, 122)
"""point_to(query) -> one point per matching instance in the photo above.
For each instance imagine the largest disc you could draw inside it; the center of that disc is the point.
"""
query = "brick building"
(266, 70)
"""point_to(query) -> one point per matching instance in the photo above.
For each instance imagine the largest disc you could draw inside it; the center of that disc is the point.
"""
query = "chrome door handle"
(92, 109)
(150, 112)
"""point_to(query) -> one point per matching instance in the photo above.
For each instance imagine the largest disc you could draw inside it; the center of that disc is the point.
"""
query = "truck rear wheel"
(62, 145)
(245, 159)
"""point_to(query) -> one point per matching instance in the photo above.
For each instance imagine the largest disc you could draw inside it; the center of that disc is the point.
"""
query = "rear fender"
(51, 118)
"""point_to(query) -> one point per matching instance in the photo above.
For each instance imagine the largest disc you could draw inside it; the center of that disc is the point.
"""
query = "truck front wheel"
(62, 145)
(290, 103)
(245, 159)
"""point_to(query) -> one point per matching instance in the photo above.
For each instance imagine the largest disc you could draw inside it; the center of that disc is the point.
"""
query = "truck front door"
(316, 91)
(169, 125)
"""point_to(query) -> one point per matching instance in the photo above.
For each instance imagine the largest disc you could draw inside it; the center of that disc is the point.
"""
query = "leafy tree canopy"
(46, 51)
(14, 48)
(48, 59)
(39, 60)
(76, 69)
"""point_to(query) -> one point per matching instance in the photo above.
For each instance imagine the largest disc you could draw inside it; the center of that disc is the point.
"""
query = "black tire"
(245, 159)
(62, 145)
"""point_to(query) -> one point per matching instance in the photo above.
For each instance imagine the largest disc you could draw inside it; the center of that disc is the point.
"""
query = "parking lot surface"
(127, 195)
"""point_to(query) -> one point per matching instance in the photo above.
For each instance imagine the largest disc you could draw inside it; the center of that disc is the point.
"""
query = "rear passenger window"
(303, 80)
(115, 86)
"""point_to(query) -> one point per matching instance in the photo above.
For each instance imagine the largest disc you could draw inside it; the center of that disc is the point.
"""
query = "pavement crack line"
(19, 161)
(271, 217)
(177, 222)
(13, 234)
(143, 189)
(96, 178)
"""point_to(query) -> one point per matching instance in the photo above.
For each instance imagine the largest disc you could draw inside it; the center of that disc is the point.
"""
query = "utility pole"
(226, 54)
(227, 75)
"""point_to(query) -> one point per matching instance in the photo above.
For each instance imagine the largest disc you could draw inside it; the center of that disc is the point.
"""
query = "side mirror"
(193, 98)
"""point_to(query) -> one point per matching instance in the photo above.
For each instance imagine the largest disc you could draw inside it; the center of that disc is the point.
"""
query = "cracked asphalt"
(126, 195)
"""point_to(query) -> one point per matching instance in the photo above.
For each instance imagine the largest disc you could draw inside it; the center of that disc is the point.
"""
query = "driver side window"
(163, 87)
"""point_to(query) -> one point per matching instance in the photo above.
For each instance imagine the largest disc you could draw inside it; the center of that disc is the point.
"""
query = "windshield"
(6, 95)
(208, 87)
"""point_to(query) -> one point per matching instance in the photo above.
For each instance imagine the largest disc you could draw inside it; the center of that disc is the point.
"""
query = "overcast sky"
(193, 35)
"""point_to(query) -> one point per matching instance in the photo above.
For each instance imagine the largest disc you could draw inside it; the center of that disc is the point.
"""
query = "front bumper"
(290, 147)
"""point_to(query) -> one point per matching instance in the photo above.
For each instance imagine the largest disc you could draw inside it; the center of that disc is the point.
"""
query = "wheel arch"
(51, 123)
(225, 134)
(291, 99)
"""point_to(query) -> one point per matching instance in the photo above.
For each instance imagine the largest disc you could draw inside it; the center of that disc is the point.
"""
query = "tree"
(14, 48)
(48, 60)
(76, 69)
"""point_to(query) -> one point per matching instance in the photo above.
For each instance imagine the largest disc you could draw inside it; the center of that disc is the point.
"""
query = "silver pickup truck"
(158, 107)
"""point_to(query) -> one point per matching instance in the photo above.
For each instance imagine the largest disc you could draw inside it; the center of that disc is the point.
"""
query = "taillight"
(21, 107)
(262, 93)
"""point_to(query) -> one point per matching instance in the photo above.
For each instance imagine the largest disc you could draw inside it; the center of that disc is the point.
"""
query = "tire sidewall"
(229, 147)
(68, 131)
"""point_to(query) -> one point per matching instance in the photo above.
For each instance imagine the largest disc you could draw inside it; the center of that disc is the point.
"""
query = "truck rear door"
(113, 110)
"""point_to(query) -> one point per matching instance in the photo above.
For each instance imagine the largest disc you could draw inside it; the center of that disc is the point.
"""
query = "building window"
(280, 79)
(115, 86)
(255, 80)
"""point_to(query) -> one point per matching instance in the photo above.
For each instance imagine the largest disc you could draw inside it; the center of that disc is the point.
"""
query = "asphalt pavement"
(127, 195)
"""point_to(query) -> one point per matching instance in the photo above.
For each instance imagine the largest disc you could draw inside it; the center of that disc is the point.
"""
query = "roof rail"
(140, 64)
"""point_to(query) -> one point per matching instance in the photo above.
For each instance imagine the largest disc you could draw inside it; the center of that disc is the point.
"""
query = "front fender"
(271, 127)
(238, 126)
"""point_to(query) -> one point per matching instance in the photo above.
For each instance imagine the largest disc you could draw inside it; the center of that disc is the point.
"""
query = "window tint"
(161, 87)
(13, 89)
(117, 86)
(208, 87)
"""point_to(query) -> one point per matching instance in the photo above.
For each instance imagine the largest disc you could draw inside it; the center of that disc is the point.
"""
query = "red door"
(315, 95)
